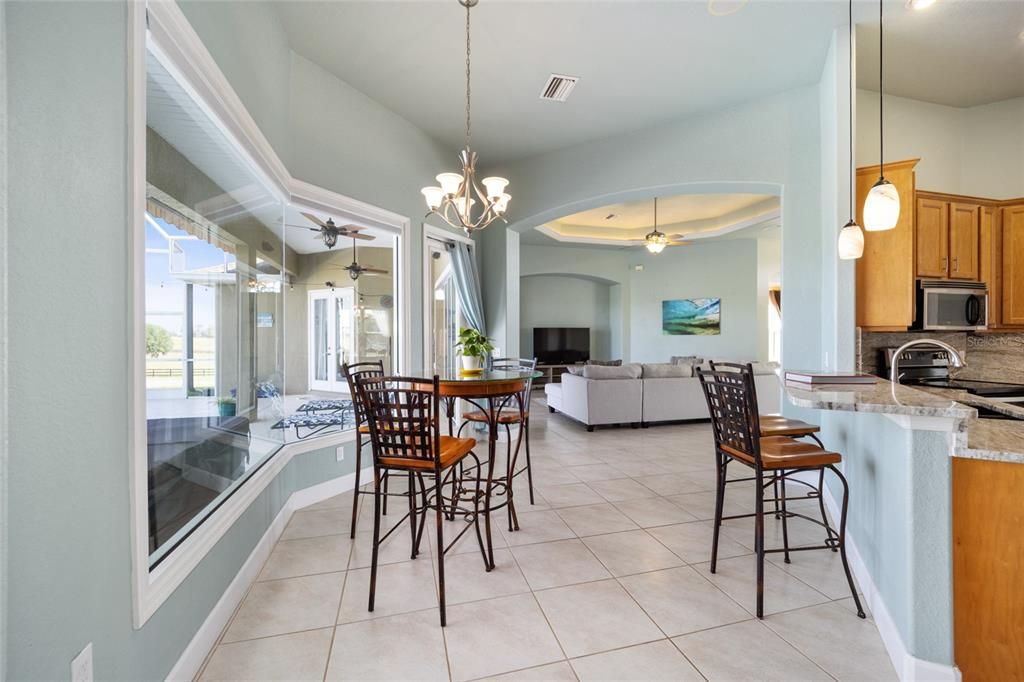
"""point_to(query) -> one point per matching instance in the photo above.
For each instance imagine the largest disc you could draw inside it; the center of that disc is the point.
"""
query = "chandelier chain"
(467, 76)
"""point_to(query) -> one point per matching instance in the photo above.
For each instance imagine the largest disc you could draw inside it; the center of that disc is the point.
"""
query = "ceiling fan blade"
(375, 271)
(357, 235)
(313, 218)
(680, 243)
(350, 228)
(305, 227)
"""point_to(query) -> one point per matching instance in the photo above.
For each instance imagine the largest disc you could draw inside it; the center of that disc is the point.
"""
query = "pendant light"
(882, 206)
(851, 237)
(454, 200)
(656, 241)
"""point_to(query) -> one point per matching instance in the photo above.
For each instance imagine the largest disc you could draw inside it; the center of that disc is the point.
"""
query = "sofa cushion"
(630, 371)
(575, 369)
(605, 363)
(667, 370)
(686, 360)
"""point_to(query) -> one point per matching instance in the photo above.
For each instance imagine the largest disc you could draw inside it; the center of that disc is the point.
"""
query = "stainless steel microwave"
(951, 306)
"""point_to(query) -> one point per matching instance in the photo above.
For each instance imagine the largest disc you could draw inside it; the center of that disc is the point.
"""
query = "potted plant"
(226, 405)
(475, 347)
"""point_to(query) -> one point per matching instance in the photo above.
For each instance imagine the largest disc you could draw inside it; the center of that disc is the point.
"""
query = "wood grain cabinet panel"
(1013, 264)
(963, 240)
(990, 262)
(932, 238)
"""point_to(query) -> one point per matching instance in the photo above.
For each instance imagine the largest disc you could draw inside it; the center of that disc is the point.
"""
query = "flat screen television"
(561, 345)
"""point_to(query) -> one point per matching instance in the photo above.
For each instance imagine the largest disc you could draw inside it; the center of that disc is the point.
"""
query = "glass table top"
(480, 376)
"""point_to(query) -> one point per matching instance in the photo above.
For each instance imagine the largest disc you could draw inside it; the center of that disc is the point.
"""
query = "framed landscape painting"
(692, 316)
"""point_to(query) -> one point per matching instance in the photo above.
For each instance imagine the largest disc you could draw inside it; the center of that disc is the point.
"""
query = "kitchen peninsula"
(935, 520)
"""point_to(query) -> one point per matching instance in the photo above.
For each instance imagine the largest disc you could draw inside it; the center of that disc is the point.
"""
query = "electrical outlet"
(81, 667)
(341, 453)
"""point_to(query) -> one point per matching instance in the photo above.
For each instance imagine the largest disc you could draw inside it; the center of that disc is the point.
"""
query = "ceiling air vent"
(558, 87)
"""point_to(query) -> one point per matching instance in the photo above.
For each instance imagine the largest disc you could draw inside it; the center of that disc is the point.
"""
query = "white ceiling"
(640, 62)
(960, 53)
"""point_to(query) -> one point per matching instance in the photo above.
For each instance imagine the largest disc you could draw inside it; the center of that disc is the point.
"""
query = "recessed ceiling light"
(920, 4)
(722, 8)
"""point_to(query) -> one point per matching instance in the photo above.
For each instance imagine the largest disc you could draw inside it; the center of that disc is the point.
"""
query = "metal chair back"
(352, 373)
(732, 404)
(518, 365)
(403, 416)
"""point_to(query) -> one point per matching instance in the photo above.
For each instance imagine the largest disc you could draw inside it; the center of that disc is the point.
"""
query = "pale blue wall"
(68, 525)
(566, 301)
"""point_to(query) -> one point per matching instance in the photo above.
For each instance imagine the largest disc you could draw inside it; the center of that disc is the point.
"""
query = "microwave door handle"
(972, 310)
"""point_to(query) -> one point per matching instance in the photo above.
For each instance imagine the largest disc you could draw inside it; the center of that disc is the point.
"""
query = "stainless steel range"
(930, 367)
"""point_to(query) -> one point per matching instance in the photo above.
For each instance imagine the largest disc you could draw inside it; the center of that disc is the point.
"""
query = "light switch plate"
(81, 666)
(340, 452)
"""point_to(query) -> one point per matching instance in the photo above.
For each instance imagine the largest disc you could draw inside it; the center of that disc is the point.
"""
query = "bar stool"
(509, 415)
(403, 415)
(352, 373)
(732, 404)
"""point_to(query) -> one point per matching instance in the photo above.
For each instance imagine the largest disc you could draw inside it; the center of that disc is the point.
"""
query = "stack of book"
(814, 379)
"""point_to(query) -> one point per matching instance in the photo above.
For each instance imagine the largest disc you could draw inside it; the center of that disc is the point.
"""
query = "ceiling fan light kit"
(655, 241)
(882, 205)
(453, 201)
(851, 237)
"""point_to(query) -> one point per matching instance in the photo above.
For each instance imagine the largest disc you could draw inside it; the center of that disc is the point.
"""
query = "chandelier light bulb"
(450, 183)
(882, 207)
(851, 241)
(434, 197)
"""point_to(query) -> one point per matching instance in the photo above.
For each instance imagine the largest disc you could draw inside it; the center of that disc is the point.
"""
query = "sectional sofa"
(642, 394)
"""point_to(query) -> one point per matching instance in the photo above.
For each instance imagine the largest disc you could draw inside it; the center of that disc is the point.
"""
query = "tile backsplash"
(992, 356)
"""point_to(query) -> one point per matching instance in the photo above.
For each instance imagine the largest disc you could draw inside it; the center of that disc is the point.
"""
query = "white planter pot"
(470, 363)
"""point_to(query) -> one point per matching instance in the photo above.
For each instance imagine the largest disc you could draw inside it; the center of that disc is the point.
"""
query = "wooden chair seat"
(364, 429)
(775, 425)
(783, 452)
(504, 416)
(452, 451)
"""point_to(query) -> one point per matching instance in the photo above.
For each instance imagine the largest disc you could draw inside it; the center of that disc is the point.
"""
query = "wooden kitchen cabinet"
(1012, 221)
(932, 239)
(990, 261)
(964, 231)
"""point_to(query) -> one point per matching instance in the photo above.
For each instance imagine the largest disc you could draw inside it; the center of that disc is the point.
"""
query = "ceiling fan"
(329, 232)
(355, 269)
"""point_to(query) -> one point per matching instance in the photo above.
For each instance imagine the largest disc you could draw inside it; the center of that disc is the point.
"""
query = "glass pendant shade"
(851, 241)
(434, 196)
(882, 207)
(494, 187)
(450, 183)
(464, 205)
(655, 242)
(501, 204)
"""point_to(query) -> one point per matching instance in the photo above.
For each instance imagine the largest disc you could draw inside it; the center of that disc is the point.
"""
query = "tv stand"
(550, 374)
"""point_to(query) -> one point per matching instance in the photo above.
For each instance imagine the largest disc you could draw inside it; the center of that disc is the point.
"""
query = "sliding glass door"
(332, 337)
(443, 312)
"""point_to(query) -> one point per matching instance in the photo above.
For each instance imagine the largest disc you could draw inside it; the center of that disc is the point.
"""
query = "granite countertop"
(974, 438)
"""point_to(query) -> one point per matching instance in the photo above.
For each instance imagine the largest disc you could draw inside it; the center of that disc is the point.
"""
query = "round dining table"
(490, 391)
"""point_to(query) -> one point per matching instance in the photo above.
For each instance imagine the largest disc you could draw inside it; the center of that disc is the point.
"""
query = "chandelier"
(656, 241)
(454, 201)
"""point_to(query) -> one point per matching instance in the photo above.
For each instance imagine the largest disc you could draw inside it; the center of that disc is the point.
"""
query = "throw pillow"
(603, 372)
(605, 363)
(576, 370)
(686, 360)
(667, 370)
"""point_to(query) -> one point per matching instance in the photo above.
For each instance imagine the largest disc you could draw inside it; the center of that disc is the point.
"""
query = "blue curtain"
(467, 283)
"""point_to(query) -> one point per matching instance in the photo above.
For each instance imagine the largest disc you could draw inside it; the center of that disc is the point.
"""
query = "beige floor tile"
(631, 552)
(747, 651)
(821, 569)
(653, 661)
(737, 577)
(572, 459)
(619, 489)
(308, 524)
(596, 519)
(299, 656)
(680, 600)
(862, 655)
(539, 526)
(396, 548)
(596, 472)
(552, 564)
(596, 617)
(553, 474)
(654, 511)
(278, 607)
(343, 501)
(404, 587)
(497, 636)
(692, 541)
(672, 484)
(702, 505)
(403, 647)
(307, 556)
(572, 495)
(552, 672)
(466, 579)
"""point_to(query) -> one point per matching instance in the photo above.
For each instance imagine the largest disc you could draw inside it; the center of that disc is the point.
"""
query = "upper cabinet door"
(1013, 265)
(963, 240)
(932, 242)
(990, 262)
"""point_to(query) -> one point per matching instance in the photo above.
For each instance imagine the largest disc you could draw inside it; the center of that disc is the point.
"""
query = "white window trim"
(175, 43)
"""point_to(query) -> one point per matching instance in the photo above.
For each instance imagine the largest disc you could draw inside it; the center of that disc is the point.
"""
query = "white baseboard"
(908, 667)
(202, 643)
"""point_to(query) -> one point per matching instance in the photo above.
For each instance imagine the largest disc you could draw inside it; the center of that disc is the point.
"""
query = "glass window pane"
(214, 314)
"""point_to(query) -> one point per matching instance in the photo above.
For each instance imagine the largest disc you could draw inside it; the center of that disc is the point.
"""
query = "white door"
(331, 338)
(442, 314)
